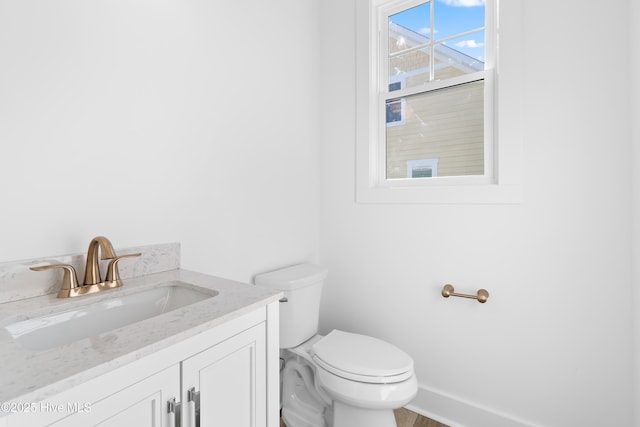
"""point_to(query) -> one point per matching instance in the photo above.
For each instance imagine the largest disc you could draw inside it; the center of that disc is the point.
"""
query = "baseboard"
(455, 412)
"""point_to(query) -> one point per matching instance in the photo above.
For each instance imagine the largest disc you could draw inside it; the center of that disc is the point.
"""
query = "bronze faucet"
(92, 271)
(92, 279)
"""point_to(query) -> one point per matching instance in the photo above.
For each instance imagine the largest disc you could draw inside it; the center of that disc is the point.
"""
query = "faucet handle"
(113, 275)
(69, 280)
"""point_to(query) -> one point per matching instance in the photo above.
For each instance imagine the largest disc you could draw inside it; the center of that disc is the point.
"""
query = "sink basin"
(53, 330)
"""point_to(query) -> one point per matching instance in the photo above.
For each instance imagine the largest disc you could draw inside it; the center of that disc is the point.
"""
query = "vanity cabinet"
(142, 404)
(229, 380)
(221, 377)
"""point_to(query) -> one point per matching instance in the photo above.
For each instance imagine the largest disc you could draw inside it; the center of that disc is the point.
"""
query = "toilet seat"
(362, 358)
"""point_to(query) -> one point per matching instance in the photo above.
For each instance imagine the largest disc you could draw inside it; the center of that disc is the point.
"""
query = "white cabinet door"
(231, 380)
(141, 404)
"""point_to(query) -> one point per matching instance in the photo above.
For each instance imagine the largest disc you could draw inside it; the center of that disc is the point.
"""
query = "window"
(422, 168)
(427, 100)
(437, 48)
(395, 108)
(435, 63)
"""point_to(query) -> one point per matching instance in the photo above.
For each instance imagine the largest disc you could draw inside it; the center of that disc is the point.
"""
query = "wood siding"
(447, 125)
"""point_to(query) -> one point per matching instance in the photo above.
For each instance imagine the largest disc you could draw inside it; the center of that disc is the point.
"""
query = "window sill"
(442, 194)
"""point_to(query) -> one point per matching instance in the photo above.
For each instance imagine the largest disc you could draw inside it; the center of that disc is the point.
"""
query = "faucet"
(92, 279)
(92, 271)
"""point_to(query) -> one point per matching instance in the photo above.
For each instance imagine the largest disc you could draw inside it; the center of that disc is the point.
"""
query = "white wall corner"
(634, 119)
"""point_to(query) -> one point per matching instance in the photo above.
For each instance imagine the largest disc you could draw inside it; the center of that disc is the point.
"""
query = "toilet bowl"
(338, 380)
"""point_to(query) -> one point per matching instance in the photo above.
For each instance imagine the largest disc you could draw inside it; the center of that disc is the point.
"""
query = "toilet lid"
(362, 358)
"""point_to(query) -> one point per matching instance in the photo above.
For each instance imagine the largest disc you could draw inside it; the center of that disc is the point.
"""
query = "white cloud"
(469, 44)
(425, 31)
(463, 3)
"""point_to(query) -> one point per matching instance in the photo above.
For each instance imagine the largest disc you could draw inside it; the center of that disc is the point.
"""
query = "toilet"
(341, 379)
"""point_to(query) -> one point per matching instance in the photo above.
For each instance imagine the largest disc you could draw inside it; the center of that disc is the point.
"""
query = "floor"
(406, 418)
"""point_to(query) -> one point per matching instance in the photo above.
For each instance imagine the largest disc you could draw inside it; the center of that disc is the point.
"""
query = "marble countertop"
(28, 375)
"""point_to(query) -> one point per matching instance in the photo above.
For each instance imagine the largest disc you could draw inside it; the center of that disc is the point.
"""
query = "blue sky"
(451, 17)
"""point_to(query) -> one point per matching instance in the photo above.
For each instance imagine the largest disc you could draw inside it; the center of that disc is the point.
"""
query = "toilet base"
(313, 397)
(350, 416)
(302, 406)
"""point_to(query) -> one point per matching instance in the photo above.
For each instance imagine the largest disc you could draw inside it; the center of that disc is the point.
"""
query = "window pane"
(409, 50)
(421, 173)
(443, 127)
(457, 16)
(471, 45)
(412, 69)
(463, 55)
(395, 112)
(414, 21)
(411, 46)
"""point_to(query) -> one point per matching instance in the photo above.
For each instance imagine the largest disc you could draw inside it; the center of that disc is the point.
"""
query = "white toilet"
(341, 379)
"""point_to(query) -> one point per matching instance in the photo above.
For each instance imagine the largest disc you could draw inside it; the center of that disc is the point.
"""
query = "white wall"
(553, 344)
(159, 121)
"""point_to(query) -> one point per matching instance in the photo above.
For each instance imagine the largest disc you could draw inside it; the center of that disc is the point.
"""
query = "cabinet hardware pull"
(193, 400)
(482, 296)
(284, 299)
(173, 409)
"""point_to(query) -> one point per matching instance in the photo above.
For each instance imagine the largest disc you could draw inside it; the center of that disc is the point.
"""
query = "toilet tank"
(300, 307)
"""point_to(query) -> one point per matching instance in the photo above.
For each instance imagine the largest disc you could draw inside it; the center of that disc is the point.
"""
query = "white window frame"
(501, 181)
